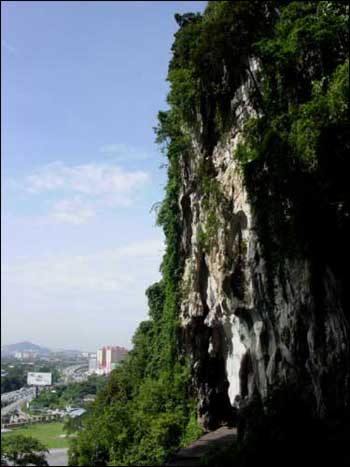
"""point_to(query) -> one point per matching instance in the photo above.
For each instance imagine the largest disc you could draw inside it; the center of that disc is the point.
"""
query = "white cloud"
(89, 179)
(124, 269)
(84, 188)
(72, 211)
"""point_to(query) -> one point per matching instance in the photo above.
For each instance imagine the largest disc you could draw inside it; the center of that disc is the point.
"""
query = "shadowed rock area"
(191, 455)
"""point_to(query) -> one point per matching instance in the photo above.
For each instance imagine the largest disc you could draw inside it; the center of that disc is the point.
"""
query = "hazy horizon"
(81, 84)
(66, 348)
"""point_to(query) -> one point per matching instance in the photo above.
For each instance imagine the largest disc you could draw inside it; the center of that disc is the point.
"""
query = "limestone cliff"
(248, 326)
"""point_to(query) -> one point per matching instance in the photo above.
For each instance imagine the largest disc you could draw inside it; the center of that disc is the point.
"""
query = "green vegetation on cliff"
(294, 154)
(293, 158)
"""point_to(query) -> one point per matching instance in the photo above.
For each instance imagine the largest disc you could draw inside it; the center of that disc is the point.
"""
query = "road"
(9, 396)
(17, 404)
(57, 457)
(12, 396)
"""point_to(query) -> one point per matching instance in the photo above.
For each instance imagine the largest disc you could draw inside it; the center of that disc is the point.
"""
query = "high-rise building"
(113, 356)
(108, 357)
(101, 357)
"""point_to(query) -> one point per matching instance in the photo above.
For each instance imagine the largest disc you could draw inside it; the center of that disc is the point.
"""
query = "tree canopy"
(22, 451)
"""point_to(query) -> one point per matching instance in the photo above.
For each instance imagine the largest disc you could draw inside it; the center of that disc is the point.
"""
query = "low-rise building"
(26, 355)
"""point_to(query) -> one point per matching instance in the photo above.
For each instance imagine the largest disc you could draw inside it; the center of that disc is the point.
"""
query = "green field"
(47, 433)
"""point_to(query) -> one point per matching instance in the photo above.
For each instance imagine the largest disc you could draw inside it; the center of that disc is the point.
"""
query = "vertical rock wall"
(240, 339)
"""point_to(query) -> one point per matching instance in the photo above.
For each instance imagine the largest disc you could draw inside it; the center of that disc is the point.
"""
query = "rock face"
(241, 337)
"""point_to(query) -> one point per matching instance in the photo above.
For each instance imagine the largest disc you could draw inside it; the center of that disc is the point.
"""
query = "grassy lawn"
(47, 433)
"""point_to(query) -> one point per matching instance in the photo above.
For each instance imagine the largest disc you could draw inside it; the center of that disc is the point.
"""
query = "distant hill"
(24, 346)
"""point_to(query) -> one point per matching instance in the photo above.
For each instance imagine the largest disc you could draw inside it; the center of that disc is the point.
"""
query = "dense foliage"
(294, 154)
(293, 158)
(22, 450)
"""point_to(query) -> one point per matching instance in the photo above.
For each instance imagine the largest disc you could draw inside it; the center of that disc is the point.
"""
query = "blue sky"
(81, 86)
